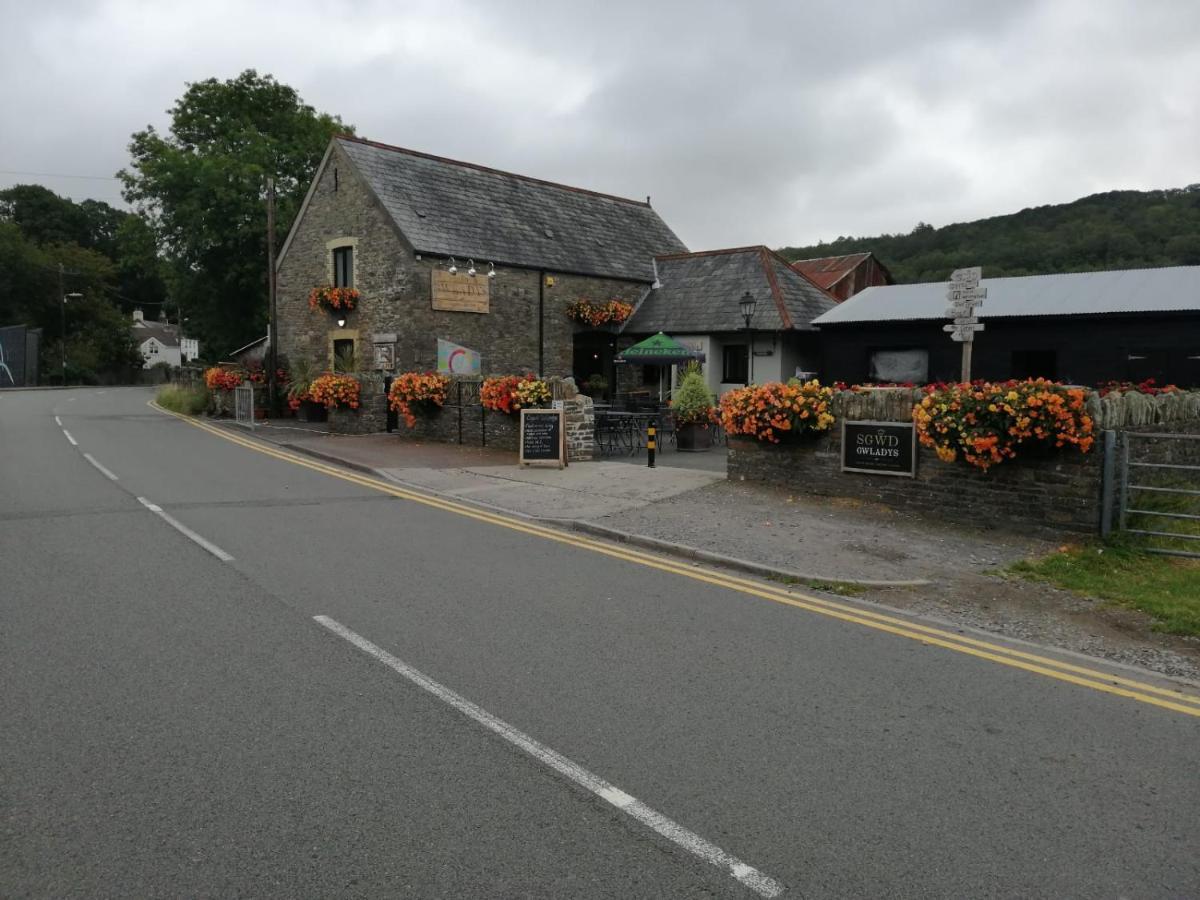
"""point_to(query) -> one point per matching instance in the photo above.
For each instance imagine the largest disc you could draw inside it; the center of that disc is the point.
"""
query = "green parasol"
(659, 350)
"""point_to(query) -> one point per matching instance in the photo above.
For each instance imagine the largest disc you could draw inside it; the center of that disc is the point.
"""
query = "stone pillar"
(580, 422)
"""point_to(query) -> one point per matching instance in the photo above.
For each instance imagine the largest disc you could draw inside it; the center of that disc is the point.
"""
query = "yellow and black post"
(651, 441)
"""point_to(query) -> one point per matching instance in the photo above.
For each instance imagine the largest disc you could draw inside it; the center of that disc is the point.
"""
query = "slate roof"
(1173, 289)
(167, 335)
(700, 291)
(449, 208)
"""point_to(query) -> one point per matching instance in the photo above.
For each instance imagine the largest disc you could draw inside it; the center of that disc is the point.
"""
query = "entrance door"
(593, 358)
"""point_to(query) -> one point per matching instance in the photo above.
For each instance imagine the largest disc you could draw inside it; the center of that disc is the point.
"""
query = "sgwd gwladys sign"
(879, 448)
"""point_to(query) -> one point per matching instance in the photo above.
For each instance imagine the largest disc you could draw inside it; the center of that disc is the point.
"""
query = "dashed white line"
(185, 531)
(751, 877)
(74, 443)
(58, 421)
(103, 470)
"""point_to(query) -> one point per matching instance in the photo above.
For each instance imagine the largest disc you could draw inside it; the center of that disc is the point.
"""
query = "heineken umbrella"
(659, 350)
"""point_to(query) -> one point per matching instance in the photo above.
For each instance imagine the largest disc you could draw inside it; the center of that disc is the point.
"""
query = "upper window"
(343, 267)
(736, 364)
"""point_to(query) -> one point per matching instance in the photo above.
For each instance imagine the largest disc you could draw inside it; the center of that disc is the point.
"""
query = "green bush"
(693, 401)
(190, 401)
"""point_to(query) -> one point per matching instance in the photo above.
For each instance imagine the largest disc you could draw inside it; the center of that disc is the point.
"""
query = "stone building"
(459, 253)
(696, 301)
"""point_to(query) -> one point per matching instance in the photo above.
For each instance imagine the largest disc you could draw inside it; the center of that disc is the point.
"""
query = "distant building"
(160, 342)
(844, 276)
(696, 301)
(1080, 328)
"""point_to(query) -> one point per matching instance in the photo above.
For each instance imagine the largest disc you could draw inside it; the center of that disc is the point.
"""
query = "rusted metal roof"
(826, 271)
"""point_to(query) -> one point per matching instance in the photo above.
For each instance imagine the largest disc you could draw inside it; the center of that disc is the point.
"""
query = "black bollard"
(651, 434)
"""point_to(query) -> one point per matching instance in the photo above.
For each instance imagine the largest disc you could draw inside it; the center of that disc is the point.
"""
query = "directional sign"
(960, 294)
(966, 277)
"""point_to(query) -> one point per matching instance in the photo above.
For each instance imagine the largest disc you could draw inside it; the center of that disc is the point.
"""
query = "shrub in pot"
(693, 410)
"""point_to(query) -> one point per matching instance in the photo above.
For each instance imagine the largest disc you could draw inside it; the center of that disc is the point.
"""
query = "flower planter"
(693, 437)
(312, 412)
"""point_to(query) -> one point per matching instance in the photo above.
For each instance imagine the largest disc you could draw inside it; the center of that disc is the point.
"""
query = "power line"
(59, 175)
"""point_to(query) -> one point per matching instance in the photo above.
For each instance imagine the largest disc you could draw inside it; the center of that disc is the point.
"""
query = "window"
(735, 368)
(904, 366)
(343, 355)
(153, 348)
(343, 267)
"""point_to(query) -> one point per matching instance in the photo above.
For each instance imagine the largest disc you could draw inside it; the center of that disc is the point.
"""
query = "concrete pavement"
(182, 726)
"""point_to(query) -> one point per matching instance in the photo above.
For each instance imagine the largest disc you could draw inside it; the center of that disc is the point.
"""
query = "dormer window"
(343, 267)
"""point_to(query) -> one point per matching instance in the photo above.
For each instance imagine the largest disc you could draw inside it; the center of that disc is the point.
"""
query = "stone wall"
(1042, 492)
(396, 294)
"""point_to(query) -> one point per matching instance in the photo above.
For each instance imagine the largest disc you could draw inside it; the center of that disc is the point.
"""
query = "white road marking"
(58, 421)
(74, 443)
(104, 471)
(185, 531)
(748, 875)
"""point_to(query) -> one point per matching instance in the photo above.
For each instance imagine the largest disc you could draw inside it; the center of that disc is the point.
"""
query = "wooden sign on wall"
(460, 292)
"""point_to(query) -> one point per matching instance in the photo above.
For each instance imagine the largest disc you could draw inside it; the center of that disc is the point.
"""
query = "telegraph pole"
(272, 330)
(62, 299)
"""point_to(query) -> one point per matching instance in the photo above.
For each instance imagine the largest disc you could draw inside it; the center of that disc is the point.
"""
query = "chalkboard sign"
(542, 437)
(879, 448)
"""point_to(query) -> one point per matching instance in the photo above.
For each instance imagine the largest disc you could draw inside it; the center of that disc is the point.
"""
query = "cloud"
(780, 123)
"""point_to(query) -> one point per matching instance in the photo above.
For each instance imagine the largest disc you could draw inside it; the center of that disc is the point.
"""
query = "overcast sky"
(778, 123)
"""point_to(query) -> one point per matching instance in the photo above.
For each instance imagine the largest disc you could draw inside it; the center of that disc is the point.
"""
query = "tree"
(201, 188)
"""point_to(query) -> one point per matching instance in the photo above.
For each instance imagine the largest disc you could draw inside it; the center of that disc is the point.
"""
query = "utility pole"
(62, 299)
(272, 329)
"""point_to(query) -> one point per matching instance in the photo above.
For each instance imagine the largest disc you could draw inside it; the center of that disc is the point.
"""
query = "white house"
(160, 342)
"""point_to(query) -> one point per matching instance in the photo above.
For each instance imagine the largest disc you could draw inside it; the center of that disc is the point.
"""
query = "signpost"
(543, 437)
(879, 448)
(963, 296)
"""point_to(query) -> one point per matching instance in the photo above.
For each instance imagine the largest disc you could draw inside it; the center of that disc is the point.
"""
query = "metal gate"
(1160, 492)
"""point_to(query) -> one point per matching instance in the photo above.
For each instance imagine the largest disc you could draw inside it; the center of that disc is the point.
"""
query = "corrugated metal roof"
(826, 271)
(1174, 289)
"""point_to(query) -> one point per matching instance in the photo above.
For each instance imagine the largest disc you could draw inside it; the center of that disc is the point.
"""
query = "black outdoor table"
(624, 429)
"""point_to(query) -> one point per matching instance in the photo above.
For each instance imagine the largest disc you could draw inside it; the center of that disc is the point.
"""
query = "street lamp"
(747, 305)
(71, 296)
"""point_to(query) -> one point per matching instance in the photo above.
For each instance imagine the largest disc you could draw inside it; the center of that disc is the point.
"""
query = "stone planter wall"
(1041, 493)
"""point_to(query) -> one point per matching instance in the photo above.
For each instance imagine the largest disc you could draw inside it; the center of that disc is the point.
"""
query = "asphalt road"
(177, 724)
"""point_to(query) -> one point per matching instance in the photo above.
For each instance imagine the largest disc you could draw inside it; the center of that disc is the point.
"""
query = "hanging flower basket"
(613, 312)
(333, 299)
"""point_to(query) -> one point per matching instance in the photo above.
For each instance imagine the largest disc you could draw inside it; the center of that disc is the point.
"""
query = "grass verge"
(1166, 587)
(190, 401)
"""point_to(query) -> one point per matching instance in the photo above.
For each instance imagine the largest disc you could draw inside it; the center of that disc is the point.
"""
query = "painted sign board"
(460, 292)
(456, 360)
(879, 448)
(543, 437)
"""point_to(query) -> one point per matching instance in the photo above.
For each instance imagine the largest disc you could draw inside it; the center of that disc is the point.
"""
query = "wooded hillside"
(1116, 230)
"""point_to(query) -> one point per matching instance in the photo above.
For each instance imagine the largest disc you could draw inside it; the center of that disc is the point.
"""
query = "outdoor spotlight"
(491, 270)
(453, 270)
(471, 267)
(341, 321)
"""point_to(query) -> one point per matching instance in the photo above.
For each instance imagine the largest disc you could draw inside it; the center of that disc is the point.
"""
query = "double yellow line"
(1143, 692)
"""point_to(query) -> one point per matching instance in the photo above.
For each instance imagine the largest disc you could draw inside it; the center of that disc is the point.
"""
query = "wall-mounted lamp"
(491, 270)
(453, 267)
(341, 320)
(471, 268)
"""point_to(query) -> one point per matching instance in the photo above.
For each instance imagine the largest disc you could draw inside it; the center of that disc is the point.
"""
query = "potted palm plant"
(692, 407)
(304, 373)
